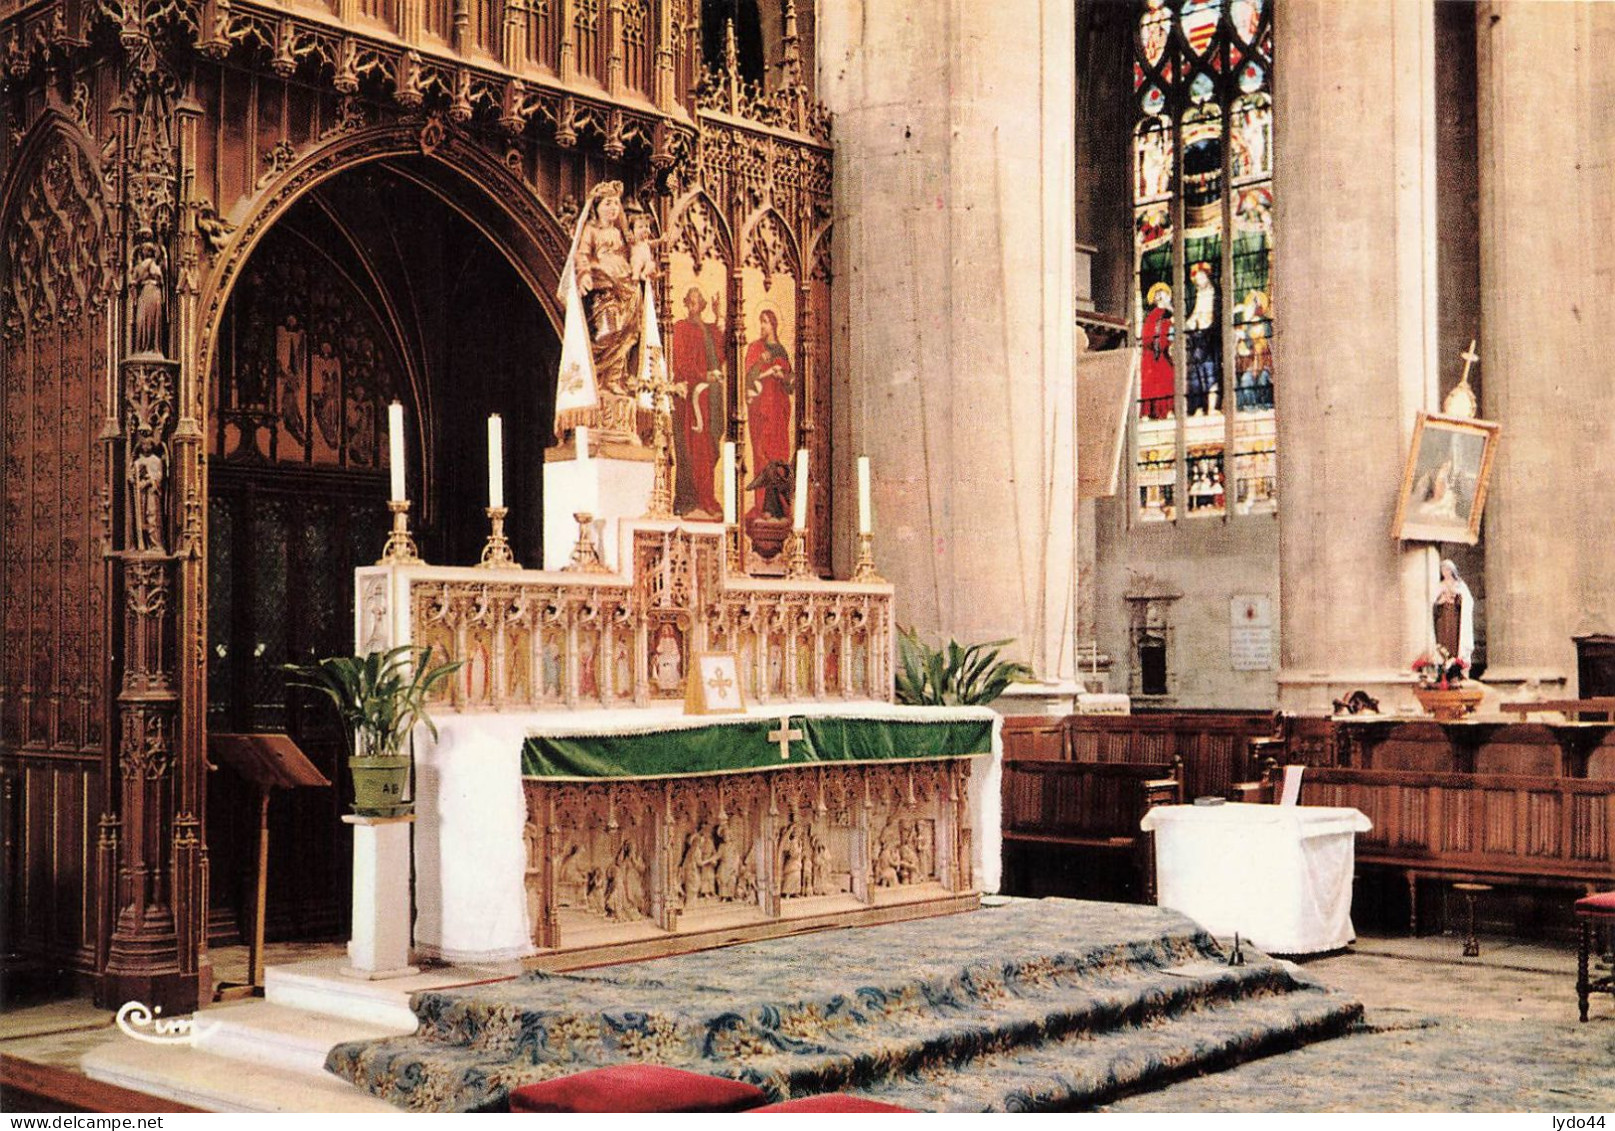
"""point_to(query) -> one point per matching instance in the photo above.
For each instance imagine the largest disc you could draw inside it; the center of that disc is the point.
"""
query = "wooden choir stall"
(569, 811)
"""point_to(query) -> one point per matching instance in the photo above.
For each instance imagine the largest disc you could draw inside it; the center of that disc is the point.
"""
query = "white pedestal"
(379, 947)
(606, 487)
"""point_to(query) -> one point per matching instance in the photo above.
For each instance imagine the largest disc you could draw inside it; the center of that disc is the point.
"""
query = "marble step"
(263, 1032)
(319, 986)
(217, 1083)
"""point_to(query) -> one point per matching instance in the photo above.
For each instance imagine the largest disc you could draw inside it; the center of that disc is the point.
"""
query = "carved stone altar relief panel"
(813, 835)
(604, 846)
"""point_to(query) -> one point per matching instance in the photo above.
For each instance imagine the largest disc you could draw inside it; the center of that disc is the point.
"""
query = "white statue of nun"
(1453, 614)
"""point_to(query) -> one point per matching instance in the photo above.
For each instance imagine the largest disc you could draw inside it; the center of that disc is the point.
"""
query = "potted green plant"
(380, 697)
(954, 675)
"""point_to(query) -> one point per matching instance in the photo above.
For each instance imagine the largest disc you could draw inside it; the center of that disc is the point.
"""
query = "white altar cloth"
(1278, 875)
(470, 858)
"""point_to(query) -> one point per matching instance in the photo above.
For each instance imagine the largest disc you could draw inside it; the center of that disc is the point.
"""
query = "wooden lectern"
(267, 762)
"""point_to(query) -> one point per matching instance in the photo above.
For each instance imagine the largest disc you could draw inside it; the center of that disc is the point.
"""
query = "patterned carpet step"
(1085, 1069)
(877, 1008)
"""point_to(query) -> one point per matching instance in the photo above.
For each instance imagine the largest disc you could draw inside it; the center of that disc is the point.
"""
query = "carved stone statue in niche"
(533, 878)
(572, 879)
(147, 476)
(146, 280)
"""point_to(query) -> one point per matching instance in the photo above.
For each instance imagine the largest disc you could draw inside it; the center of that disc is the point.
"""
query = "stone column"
(1547, 259)
(955, 237)
(1354, 292)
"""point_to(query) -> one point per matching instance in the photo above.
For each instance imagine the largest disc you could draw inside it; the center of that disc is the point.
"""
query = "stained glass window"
(1202, 241)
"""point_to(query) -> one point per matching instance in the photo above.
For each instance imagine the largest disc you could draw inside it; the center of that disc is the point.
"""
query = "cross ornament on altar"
(1470, 357)
(785, 735)
(720, 684)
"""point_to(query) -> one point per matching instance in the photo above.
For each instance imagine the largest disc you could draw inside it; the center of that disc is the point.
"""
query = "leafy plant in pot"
(953, 675)
(379, 697)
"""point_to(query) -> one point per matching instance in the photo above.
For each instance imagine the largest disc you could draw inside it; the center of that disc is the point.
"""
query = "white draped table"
(1279, 875)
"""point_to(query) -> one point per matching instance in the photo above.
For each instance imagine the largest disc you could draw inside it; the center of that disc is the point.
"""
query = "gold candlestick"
(864, 570)
(496, 554)
(799, 557)
(734, 555)
(586, 555)
(400, 548)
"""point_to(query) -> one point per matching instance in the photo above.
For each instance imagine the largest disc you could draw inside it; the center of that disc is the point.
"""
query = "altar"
(569, 811)
(648, 832)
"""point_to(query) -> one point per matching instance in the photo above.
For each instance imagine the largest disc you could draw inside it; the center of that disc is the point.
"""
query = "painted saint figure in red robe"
(770, 386)
(1155, 372)
(700, 416)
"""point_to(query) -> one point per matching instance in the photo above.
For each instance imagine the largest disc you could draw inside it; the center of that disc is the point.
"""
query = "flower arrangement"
(1439, 669)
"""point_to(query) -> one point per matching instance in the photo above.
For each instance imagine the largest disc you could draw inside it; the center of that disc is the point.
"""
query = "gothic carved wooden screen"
(53, 407)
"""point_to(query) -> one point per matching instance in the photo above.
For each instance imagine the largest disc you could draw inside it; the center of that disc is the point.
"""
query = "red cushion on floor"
(636, 1088)
(834, 1101)
(1601, 904)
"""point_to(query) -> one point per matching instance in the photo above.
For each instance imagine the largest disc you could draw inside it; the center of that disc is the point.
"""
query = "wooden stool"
(1592, 913)
(1471, 943)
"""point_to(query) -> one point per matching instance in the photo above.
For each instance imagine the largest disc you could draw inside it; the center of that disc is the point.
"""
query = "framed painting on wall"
(1444, 486)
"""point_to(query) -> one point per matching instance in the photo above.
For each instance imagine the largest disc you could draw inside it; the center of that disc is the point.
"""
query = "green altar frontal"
(749, 744)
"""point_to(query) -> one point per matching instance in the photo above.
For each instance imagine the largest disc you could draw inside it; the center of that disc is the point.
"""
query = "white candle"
(395, 448)
(496, 461)
(729, 482)
(580, 439)
(864, 524)
(799, 515)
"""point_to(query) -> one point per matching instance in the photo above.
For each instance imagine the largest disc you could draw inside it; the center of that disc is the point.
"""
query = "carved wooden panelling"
(54, 485)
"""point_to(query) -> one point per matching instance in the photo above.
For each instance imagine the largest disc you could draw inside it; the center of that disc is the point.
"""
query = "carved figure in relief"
(696, 867)
(571, 879)
(611, 297)
(147, 475)
(625, 884)
(667, 666)
(908, 856)
(375, 618)
(821, 864)
(731, 858)
(888, 856)
(925, 842)
(146, 280)
(793, 849)
(594, 891)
